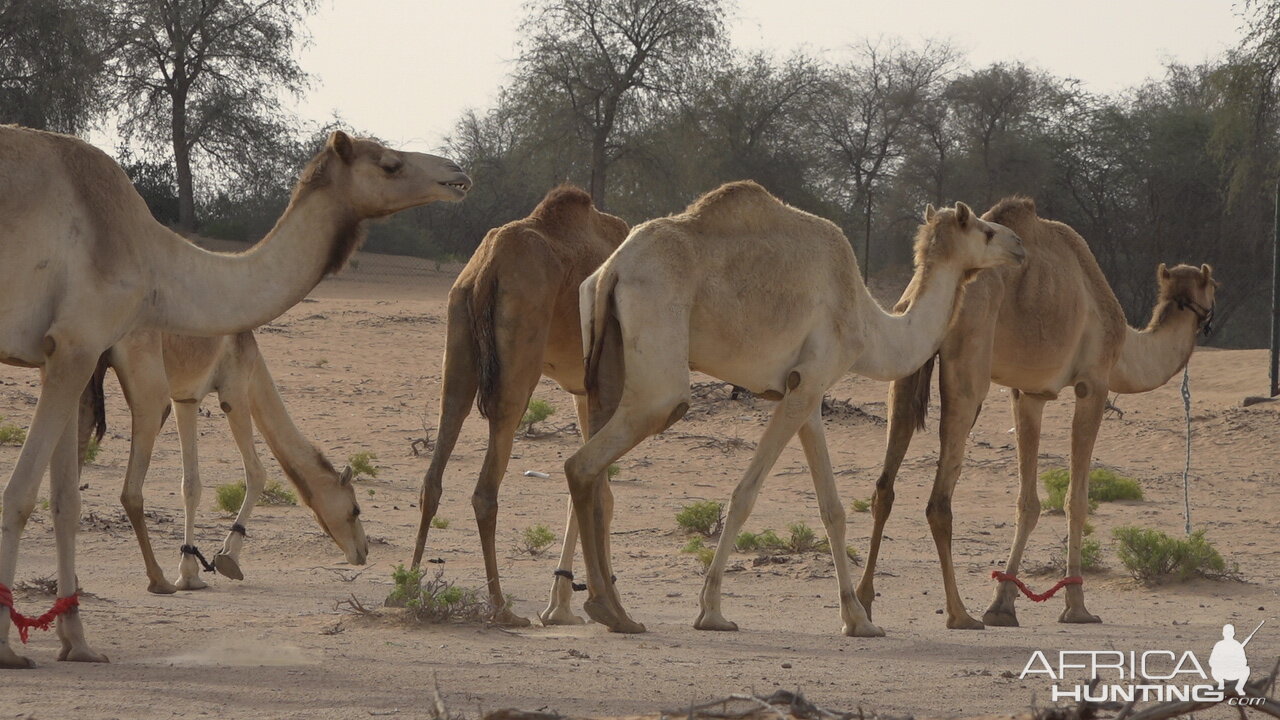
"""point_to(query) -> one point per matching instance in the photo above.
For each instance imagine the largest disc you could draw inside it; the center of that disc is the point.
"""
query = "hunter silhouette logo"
(1227, 662)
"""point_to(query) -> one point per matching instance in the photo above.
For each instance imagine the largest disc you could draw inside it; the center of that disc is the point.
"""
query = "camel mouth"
(461, 184)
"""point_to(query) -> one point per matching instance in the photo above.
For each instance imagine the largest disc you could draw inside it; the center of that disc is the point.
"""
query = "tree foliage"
(53, 63)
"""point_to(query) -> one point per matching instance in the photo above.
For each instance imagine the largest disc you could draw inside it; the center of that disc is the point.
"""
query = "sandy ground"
(358, 364)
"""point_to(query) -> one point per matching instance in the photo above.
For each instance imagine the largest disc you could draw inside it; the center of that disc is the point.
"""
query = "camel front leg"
(64, 503)
(66, 374)
(788, 416)
(559, 609)
(189, 566)
(146, 390)
(1090, 406)
(235, 404)
(812, 438)
(1027, 414)
(901, 428)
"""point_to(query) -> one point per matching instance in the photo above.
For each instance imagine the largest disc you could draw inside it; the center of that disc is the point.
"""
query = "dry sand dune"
(359, 366)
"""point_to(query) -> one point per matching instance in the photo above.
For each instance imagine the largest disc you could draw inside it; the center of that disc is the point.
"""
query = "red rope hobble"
(24, 623)
(1036, 597)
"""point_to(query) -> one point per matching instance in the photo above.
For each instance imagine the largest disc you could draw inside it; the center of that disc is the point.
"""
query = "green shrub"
(1104, 486)
(704, 517)
(854, 556)
(439, 523)
(276, 494)
(699, 549)
(229, 497)
(536, 538)
(536, 412)
(11, 434)
(614, 471)
(861, 505)
(803, 539)
(1151, 556)
(436, 600)
(362, 465)
(91, 451)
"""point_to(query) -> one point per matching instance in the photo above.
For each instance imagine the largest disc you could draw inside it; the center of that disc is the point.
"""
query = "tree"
(603, 58)
(52, 63)
(205, 77)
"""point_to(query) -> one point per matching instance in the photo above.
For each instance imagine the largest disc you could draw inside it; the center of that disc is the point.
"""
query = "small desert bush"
(276, 494)
(801, 540)
(1151, 556)
(703, 517)
(536, 538)
(362, 465)
(861, 505)
(614, 470)
(1104, 486)
(230, 497)
(439, 523)
(1090, 556)
(699, 549)
(91, 451)
(11, 434)
(436, 600)
(536, 412)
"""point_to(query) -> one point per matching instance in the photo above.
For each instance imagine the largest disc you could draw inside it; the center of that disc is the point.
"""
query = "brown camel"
(1049, 324)
(765, 296)
(513, 317)
(232, 366)
(82, 263)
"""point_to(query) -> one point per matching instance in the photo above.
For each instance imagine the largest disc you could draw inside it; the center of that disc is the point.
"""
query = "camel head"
(960, 238)
(1188, 288)
(338, 513)
(375, 181)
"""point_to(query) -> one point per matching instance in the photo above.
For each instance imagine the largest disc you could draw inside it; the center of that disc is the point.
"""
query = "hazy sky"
(406, 69)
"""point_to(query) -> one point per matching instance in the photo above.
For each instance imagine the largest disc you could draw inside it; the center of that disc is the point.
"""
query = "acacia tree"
(205, 78)
(52, 63)
(603, 58)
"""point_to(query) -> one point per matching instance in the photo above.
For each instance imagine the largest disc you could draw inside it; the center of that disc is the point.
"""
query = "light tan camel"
(513, 317)
(82, 263)
(1050, 324)
(765, 296)
(232, 366)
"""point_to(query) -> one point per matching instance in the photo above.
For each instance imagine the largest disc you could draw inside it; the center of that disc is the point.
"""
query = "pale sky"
(406, 69)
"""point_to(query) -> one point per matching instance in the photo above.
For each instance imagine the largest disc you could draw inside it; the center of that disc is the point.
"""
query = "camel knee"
(431, 492)
(485, 505)
(938, 512)
(131, 500)
(1029, 509)
(833, 516)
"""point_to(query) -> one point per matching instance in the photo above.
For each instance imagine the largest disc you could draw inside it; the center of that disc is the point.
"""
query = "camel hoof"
(161, 587)
(191, 583)
(716, 622)
(560, 615)
(616, 621)
(964, 622)
(866, 603)
(227, 566)
(1073, 615)
(628, 626)
(1000, 618)
(81, 654)
(507, 618)
(865, 629)
(10, 660)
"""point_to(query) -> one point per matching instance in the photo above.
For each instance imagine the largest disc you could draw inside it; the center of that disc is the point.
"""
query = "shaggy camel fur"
(513, 317)
(232, 366)
(82, 263)
(1050, 324)
(765, 296)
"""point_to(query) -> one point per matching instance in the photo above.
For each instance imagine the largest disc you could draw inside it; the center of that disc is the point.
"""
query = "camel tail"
(300, 459)
(596, 296)
(915, 389)
(93, 409)
(482, 306)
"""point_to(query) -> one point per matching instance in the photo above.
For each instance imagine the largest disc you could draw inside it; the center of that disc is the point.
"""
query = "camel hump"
(561, 205)
(733, 197)
(1014, 207)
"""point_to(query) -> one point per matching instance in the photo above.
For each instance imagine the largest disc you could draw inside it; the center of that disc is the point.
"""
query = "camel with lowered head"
(513, 317)
(82, 263)
(232, 366)
(765, 296)
(1049, 324)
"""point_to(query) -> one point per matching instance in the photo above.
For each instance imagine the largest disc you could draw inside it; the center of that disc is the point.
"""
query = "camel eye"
(391, 165)
(990, 234)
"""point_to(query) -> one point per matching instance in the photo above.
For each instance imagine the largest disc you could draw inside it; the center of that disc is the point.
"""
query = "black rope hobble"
(195, 551)
(239, 529)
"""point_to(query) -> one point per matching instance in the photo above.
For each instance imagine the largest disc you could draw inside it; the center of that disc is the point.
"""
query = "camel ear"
(1162, 272)
(929, 212)
(345, 478)
(1206, 273)
(341, 144)
(963, 213)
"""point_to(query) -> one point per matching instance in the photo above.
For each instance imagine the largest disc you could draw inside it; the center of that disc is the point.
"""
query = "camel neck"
(207, 293)
(895, 345)
(1150, 357)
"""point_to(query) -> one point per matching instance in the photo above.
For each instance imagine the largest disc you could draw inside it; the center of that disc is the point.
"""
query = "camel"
(762, 295)
(232, 366)
(1037, 329)
(82, 263)
(513, 317)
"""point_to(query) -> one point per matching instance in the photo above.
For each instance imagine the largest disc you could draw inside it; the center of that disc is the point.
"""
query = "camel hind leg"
(1085, 422)
(458, 390)
(559, 609)
(1027, 413)
(64, 503)
(189, 566)
(235, 404)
